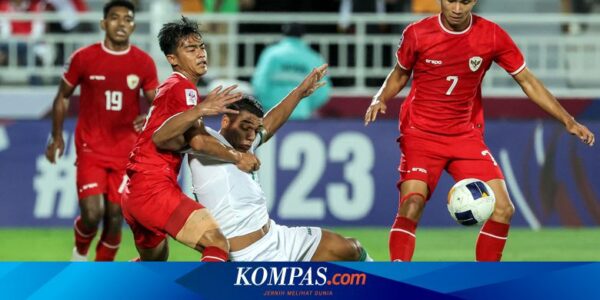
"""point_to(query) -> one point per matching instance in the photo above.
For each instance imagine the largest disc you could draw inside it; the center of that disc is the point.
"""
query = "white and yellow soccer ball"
(471, 201)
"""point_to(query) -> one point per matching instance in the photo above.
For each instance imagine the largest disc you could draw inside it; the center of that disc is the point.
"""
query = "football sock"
(214, 254)
(83, 236)
(402, 239)
(491, 241)
(364, 256)
(107, 248)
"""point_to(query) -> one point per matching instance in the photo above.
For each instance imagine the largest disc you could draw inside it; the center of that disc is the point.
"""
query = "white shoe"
(78, 257)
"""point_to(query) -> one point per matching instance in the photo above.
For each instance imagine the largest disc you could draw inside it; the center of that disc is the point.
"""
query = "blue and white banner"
(299, 280)
(333, 173)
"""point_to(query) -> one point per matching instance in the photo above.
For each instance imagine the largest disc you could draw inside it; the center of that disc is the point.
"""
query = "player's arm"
(201, 142)
(393, 84)
(138, 123)
(280, 113)
(216, 102)
(60, 108)
(537, 92)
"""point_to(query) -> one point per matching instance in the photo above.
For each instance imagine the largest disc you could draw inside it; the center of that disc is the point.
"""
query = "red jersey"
(447, 69)
(110, 94)
(177, 94)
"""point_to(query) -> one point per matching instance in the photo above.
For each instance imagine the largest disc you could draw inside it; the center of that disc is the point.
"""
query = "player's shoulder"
(138, 52)
(88, 50)
(424, 23)
(479, 21)
(174, 83)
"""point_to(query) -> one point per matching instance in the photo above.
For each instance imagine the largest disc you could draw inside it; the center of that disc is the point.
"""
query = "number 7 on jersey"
(454, 80)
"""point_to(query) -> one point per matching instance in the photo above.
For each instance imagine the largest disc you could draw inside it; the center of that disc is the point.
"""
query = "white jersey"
(234, 198)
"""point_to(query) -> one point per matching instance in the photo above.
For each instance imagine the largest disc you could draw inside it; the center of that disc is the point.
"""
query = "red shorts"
(425, 156)
(98, 175)
(153, 206)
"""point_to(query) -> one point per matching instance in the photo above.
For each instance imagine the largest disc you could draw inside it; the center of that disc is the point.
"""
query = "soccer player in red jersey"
(154, 204)
(441, 120)
(111, 74)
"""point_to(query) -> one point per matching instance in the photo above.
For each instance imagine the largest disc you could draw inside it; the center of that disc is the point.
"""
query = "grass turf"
(457, 244)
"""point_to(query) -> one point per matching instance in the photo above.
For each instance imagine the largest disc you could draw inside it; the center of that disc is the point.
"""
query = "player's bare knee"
(412, 207)
(504, 211)
(91, 217)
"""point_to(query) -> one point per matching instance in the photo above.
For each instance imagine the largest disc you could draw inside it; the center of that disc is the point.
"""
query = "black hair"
(118, 3)
(293, 29)
(250, 104)
(171, 33)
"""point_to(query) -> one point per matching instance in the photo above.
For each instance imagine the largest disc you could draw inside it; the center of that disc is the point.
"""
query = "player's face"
(119, 24)
(190, 56)
(240, 130)
(457, 13)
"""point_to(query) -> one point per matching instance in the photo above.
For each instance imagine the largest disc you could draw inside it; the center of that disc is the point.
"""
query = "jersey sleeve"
(150, 80)
(73, 69)
(507, 54)
(183, 97)
(406, 54)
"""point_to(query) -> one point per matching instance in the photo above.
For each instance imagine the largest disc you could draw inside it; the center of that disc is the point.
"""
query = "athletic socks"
(83, 237)
(491, 241)
(214, 254)
(402, 239)
(364, 256)
(107, 248)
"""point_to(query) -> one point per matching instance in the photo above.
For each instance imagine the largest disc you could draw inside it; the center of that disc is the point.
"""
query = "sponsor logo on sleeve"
(191, 97)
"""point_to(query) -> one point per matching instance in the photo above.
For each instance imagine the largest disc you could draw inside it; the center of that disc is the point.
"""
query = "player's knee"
(91, 217)
(214, 238)
(505, 211)
(412, 206)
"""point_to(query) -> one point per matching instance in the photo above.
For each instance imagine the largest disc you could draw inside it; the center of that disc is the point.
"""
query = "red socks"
(107, 247)
(402, 239)
(491, 241)
(214, 254)
(83, 236)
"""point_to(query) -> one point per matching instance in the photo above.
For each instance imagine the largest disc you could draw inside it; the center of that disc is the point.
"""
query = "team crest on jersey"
(475, 63)
(132, 81)
(191, 97)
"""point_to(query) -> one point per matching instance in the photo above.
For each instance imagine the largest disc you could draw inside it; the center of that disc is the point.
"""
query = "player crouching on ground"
(237, 201)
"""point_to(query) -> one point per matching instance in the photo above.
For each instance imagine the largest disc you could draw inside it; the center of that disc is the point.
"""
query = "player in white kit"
(237, 201)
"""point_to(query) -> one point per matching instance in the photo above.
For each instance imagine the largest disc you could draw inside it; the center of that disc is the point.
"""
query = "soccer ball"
(471, 201)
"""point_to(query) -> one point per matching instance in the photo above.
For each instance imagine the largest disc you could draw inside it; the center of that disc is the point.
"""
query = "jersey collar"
(455, 32)
(123, 52)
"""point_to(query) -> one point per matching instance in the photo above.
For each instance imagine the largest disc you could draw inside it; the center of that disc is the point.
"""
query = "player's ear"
(103, 24)
(225, 121)
(172, 59)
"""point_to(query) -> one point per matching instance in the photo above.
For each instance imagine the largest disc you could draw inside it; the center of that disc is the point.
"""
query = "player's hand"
(376, 107)
(138, 123)
(55, 149)
(248, 162)
(313, 81)
(581, 131)
(217, 100)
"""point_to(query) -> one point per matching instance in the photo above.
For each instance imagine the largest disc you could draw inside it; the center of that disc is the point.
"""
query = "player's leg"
(86, 225)
(159, 252)
(334, 247)
(91, 186)
(421, 165)
(494, 233)
(474, 160)
(191, 224)
(110, 239)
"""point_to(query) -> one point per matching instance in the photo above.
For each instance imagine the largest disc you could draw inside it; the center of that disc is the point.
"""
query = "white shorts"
(282, 243)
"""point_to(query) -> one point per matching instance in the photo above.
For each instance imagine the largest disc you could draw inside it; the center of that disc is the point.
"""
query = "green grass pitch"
(456, 244)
